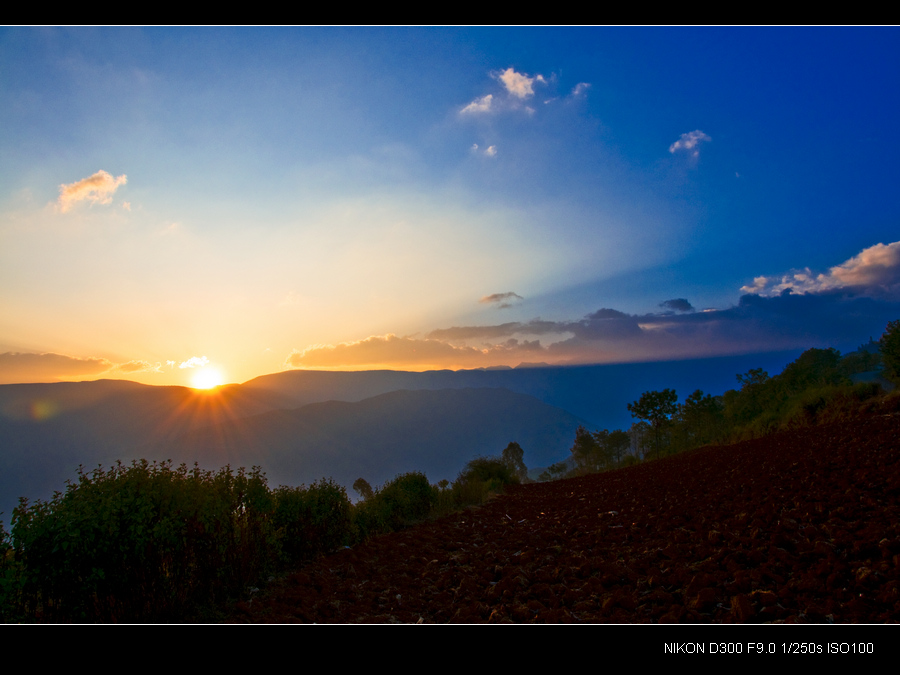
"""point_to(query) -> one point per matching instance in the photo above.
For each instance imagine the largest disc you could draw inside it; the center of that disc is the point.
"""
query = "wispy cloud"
(689, 143)
(502, 300)
(479, 105)
(138, 366)
(798, 310)
(32, 367)
(490, 151)
(97, 189)
(875, 270)
(27, 367)
(580, 88)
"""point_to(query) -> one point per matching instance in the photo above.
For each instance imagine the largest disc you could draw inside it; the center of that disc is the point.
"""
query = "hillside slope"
(802, 526)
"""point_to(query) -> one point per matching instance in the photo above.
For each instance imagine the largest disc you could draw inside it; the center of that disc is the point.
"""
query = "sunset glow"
(207, 378)
(426, 198)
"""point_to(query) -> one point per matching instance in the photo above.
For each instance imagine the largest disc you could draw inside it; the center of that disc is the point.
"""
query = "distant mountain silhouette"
(47, 430)
(435, 431)
(596, 393)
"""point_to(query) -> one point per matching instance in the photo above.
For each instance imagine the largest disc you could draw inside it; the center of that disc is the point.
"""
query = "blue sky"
(240, 201)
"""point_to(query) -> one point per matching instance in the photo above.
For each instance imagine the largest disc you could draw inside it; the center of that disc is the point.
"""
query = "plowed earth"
(799, 527)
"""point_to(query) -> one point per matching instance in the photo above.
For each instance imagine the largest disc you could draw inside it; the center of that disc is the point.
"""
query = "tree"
(890, 351)
(617, 444)
(698, 418)
(655, 408)
(754, 376)
(514, 457)
(637, 434)
(361, 485)
(584, 449)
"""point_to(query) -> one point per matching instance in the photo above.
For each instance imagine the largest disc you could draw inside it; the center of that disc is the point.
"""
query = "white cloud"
(491, 151)
(97, 189)
(580, 88)
(875, 268)
(689, 142)
(480, 105)
(138, 366)
(194, 362)
(519, 85)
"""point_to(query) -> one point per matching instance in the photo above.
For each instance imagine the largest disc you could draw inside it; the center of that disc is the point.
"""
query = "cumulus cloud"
(677, 305)
(518, 84)
(518, 87)
(755, 324)
(97, 189)
(479, 105)
(194, 362)
(387, 350)
(840, 308)
(874, 271)
(502, 300)
(689, 143)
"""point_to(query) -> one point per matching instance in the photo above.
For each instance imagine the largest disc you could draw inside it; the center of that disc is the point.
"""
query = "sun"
(207, 378)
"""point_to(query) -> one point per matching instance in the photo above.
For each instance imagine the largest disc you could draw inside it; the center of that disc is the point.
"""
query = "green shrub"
(480, 478)
(492, 470)
(408, 498)
(401, 502)
(311, 521)
(143, 542)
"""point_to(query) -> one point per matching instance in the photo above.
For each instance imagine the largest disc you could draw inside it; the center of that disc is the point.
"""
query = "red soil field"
(798, 527)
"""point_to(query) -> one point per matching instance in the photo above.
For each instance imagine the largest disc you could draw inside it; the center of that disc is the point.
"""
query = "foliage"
(813, 368)
(399, 503)
(482, 477)
(863, 360)
(598, 450)
(638, 435)
(363, 489)
(312, 521)
(698, 420)
(142, 542)
(554, 471)
(514, 457)
(890, 351)
(655, 408)
(617, 444)
(490, 470)
(586, 451)
(821, 405)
